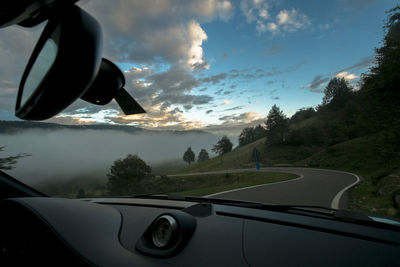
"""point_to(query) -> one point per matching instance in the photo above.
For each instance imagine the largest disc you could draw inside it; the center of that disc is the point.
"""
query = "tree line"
(223, 146)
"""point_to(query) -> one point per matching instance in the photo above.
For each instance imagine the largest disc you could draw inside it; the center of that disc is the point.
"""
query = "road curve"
(313, 187)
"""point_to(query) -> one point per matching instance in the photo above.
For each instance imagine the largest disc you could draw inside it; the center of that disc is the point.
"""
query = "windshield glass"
(282, 102)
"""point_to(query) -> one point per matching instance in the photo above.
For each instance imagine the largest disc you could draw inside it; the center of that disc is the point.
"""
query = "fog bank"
(63, 154)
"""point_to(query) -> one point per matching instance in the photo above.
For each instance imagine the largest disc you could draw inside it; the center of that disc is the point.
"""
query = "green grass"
(238, 158)
(372, 157)
(200, 185)
(241, 157)
(167, 166)
(367, 156)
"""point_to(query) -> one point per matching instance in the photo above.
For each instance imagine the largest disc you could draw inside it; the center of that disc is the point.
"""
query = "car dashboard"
(118, 232)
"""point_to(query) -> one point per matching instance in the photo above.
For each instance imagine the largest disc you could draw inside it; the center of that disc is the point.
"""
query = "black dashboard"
(108, 232)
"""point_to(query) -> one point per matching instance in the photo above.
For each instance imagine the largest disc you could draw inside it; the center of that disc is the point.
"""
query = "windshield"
(280, 102)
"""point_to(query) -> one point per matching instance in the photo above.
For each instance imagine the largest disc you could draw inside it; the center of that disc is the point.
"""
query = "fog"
(63, 154)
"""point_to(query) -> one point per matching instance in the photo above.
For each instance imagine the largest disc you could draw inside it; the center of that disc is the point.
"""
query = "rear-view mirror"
(63, 65)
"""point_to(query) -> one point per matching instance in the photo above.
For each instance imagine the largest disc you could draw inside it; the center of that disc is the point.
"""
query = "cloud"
(292, 20)
(227, 102)
(232, 125)
(273, 50)
(364, 62)
(210, 8)
(228, 92)
(214, 79)
(347, 76)
(253, 74)
(147, 31)
(245, 117)
(258, 12)
(209, 111)
(317, 83)
(255, 10)
(195, 54)
(187, 107)
(234, 108)
(219, 92)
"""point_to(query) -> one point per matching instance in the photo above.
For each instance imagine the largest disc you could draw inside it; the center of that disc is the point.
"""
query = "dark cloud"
(170, 87)
(270, 82)
(209, 111)
(233, 124)
(219, 92)
(317, 83)
(184, 99)
(275, 71)
(214, 79)
(275, 97)
(203, 89)
(188, 107)
(253, 74)
(364, 62)
(273, 50)
(228, 92)
(233, 86)
(234, 108)
(273, 91)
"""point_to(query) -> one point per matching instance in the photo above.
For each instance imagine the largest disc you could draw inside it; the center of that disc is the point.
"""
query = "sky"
(214, 65)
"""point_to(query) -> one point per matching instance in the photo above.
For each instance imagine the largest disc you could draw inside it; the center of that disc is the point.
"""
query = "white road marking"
(254, 186)
(336, 199)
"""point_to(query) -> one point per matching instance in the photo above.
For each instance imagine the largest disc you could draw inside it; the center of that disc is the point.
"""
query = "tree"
(259, 132)
(277, 126)
(384, 76)
(223, 146)
(337, 92)
(246, 136)
(189, 156)
(8, 163)
(203, 155)
(127, 176)
(302, 114)
(251, 134)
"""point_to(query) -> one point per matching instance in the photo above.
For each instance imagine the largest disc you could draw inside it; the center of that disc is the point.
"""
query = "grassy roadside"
(200, 185)
(376, 162)
(369, 156)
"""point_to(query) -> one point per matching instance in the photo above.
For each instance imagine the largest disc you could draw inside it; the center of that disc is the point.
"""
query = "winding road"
(319, 187)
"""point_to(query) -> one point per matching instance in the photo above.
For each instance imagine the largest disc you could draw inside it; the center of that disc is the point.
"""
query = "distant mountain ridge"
(13, 127)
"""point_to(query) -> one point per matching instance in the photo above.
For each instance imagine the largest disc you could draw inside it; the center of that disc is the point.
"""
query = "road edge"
(254, 186)
(336, 200)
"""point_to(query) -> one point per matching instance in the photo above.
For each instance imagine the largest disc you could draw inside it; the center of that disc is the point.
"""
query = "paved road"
(313, 187)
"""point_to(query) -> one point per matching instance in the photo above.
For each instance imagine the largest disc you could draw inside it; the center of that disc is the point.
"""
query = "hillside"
(369, 156)
(238, 158)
